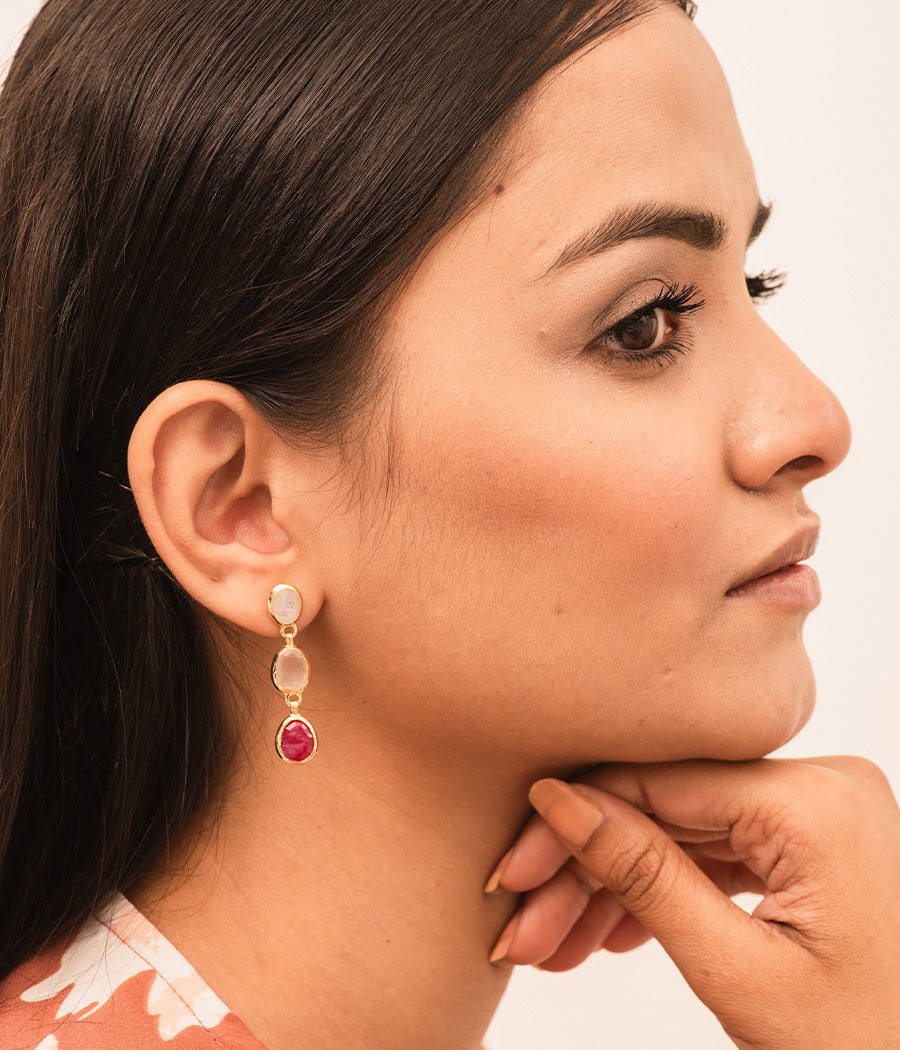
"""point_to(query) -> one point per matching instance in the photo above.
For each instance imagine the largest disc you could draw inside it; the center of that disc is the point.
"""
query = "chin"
(709, 715)
(777, 716)
(746, 724)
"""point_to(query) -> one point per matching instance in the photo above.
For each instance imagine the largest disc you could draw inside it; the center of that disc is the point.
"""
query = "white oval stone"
(284, 604)
(290, 670)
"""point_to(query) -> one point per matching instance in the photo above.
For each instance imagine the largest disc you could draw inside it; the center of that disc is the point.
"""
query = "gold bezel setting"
(291, 648)
(291, 720)
(281, 588)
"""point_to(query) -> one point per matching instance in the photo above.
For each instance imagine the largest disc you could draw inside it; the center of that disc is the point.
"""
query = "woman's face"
(573, 499)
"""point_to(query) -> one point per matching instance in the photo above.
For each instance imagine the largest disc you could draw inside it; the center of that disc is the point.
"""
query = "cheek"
(594, 501)
(553, 568)
(549, 527)
(539, 564)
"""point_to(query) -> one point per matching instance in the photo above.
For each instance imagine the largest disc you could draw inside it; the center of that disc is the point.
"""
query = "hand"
(638, 851)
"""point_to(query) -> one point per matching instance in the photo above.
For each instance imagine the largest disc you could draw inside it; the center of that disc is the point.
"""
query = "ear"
(204, 467)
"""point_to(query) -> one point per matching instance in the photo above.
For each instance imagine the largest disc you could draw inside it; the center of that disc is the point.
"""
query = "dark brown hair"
(219, 189)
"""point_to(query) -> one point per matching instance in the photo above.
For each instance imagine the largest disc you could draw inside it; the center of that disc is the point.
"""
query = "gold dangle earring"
(296, 740)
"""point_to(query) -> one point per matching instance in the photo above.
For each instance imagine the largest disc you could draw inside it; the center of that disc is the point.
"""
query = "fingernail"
(506, 939)
(493, 882)
(572, 816)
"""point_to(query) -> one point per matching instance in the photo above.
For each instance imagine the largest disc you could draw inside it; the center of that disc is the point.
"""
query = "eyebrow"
(699, 229)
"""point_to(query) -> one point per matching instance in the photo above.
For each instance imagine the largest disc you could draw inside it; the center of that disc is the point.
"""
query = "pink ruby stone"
(297, 741)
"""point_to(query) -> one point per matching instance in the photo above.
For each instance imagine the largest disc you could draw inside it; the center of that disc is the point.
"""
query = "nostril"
(807, 464)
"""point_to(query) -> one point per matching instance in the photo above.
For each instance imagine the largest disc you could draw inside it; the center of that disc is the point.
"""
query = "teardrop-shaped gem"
(290, 670)
(296, 740)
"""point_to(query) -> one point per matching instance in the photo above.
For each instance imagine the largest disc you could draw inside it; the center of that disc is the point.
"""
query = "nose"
(790, 428)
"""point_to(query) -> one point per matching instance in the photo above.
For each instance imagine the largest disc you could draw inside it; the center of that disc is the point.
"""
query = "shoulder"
(117, 984)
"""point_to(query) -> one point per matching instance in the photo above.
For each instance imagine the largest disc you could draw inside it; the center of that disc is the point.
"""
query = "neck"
(351, 892)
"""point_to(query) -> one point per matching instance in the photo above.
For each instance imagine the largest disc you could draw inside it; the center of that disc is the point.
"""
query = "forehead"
(645, 115)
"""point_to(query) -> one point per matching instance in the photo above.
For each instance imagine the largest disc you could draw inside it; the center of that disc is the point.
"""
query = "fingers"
(538, 928)
(743, 827)
(656, 850)
(627, 936)
(535, 858)
(565, 919)
(538, 853)
(600, 920)
(714, 799)
(651, 878)
(568, 918)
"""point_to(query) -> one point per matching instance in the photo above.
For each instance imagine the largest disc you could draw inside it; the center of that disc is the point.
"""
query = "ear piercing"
(296, 740)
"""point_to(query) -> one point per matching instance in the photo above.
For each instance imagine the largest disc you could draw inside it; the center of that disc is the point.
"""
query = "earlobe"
(202, 464)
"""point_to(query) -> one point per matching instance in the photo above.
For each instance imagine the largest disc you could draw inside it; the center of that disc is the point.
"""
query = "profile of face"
(588, 441)
(594, 440)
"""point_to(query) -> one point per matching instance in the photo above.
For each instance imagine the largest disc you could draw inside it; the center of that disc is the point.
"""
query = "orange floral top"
(118, 984)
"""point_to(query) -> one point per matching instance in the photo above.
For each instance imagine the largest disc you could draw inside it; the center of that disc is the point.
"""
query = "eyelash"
(682, 301)
(766, 284)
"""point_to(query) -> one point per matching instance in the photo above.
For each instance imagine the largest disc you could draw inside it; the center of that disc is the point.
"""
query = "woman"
(420, 335)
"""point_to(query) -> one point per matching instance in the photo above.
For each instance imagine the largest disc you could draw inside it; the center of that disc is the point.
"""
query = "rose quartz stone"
(290, 671)
(297, 741)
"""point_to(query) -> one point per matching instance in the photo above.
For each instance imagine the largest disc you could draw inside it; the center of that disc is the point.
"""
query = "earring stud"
(295, 741)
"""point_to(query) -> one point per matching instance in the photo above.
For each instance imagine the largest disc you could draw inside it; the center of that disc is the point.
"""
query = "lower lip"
(795, 587)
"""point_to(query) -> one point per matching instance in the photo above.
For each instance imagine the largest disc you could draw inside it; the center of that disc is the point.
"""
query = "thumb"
(653, 879)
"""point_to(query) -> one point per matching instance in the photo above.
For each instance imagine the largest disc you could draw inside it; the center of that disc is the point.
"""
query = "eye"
(653, 333)
(641, 333)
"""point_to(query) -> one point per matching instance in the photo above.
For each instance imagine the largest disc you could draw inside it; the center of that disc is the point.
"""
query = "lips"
(798, 548)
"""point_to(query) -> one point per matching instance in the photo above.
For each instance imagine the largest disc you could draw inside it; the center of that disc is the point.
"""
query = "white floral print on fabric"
(115, 983)
(116, 946)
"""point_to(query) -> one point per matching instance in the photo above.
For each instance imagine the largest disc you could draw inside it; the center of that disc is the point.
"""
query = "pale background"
(817, 87)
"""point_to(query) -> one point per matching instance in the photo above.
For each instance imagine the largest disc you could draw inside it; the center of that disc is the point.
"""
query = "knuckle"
(822, 795)
(636, 873)
(864, 769)
(852, 777)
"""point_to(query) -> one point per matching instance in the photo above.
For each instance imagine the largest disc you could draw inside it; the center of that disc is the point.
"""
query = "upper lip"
(799, 547)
